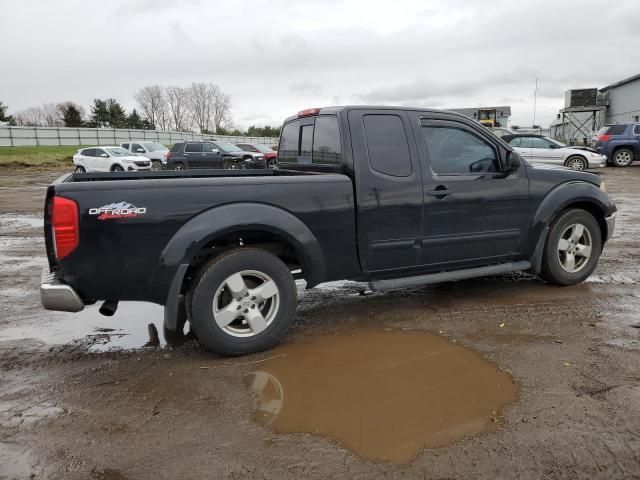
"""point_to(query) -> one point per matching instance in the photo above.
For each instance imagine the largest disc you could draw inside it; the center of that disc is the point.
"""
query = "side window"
(525, 142)
(207, 147)
(387, 145)
(326, 140)
(87, 152)
(516, 142)
(98, 152)
(125, 145)
(193, 148)
(455, 151)
(306, 140)
(537, 142)
(135, 147)
(636, 130)
(288, 151)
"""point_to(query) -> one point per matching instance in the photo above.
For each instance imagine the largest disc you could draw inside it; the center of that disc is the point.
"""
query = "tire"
(248, 325)
(156, 165)
(117, 168)
(80, 169)
(566, 241)
(231, 165)
(179, 166)
(576, 163)
(623, 157)
(272, 164)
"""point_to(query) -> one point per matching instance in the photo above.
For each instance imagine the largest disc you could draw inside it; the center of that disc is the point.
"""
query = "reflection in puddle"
(14, 462)
(134, 325)
(383, 395)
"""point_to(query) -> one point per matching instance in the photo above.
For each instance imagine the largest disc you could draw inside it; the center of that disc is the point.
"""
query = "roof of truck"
(333, 110)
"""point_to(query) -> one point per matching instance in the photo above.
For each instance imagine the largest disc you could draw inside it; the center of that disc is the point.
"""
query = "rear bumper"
(611, 225)
(55, 295)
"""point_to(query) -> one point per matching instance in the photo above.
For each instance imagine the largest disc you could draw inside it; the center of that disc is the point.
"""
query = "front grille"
(142, 164)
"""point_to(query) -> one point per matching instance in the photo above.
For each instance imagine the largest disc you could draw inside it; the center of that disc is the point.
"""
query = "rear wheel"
(572, 249)
(272, 164)
(178, 166)
(242, 302)
(623, 157)
(117, 168)
(576, 163)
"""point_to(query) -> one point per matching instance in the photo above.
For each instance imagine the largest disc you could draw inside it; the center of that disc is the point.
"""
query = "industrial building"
(587, 110)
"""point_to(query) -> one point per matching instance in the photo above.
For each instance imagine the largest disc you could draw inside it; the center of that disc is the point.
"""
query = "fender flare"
(206, 226)
(557, 200)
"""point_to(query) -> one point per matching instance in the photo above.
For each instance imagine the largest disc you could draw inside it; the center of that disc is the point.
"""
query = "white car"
(540, 149)
(109, 159)
(154, 151)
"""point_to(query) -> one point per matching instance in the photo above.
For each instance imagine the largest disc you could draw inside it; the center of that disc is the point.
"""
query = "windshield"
(263, 148)
(118, 152)
(228, 147)
(560, 144)
(154, 147)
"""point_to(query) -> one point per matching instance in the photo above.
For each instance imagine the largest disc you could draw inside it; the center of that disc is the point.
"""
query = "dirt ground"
(79, 400)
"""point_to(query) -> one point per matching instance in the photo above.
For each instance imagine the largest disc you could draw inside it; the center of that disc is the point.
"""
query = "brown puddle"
(383, 395)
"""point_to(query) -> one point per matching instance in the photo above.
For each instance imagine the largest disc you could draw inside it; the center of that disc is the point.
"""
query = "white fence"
(33, 136)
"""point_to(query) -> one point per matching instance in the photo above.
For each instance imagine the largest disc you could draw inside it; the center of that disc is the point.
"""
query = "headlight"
(602, 187)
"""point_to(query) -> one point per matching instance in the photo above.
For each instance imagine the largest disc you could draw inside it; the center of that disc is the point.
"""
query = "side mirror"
(512, 162)
(215, 150)
(139, 150)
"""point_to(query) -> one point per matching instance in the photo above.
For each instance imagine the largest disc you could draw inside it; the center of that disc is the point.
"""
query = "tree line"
(202, 107)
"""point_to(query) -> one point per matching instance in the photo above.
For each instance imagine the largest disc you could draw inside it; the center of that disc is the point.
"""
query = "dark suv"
(620, 143)
(211, 154)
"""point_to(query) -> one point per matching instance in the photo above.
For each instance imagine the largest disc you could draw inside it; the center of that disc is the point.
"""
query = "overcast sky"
(277, 57)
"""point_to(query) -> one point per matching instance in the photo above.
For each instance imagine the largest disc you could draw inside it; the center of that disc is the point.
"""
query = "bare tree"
(31, 117)
(50, 115)
(153, 104)
(177, 100)
(209, 106)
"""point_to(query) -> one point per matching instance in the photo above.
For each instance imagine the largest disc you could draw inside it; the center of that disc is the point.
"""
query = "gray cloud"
(276, 57)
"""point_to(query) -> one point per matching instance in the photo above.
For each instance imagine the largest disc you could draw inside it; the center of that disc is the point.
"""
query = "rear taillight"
(65, 226)
(604, 138)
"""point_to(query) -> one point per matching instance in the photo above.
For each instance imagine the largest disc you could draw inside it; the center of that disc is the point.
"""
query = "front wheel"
(572, 249)
(623, 157)
(117, 168)
(80, 169)
(576, 163)
(231, 165)
(156, 165)
(242, 302)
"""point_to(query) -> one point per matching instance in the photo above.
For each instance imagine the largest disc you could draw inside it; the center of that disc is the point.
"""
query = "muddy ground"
(83, 396)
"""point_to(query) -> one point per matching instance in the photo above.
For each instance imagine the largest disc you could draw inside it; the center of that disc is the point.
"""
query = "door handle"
(439, 192)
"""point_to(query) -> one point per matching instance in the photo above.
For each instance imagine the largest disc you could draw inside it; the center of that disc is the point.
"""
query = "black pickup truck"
(391, 196)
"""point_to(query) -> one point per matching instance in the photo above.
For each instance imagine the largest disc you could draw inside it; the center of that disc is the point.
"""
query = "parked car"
(270, 155)
(108, 159)
(620, 143)
(154, 151)
(500, 131)
(392, 196)
(540, 149)
(212, 154)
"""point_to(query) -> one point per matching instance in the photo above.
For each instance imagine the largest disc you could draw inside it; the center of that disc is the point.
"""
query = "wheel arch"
(246, 224)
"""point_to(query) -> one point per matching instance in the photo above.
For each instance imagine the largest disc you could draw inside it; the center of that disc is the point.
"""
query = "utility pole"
(535, 99)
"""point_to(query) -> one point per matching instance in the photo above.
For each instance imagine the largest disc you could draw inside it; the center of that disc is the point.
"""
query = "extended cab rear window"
(319, 139)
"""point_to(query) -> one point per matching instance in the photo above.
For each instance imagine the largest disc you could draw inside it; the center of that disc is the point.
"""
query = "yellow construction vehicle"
(488, 117)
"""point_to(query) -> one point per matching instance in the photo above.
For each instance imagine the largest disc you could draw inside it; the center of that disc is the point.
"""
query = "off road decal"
(117, 210)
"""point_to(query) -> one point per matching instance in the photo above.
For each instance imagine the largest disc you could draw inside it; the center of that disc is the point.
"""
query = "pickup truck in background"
(154, 151)
(391, 196)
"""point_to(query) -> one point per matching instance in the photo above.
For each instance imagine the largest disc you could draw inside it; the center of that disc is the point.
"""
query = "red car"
(270, 155)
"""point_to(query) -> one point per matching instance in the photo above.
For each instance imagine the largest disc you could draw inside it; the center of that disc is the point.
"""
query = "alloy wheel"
(574, 248)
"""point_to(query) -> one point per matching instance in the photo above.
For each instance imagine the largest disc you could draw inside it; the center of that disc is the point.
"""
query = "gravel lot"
(84, 396)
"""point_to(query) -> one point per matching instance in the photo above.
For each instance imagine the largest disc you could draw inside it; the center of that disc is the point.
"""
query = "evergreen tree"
(3, 113)
(99, 114)
(134, 121)
(71, 115)
(117, 114)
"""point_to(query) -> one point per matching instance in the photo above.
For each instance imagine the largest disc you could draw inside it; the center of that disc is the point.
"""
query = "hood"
(560, 174)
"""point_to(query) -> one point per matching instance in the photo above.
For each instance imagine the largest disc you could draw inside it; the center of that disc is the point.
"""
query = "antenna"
(535, 99)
